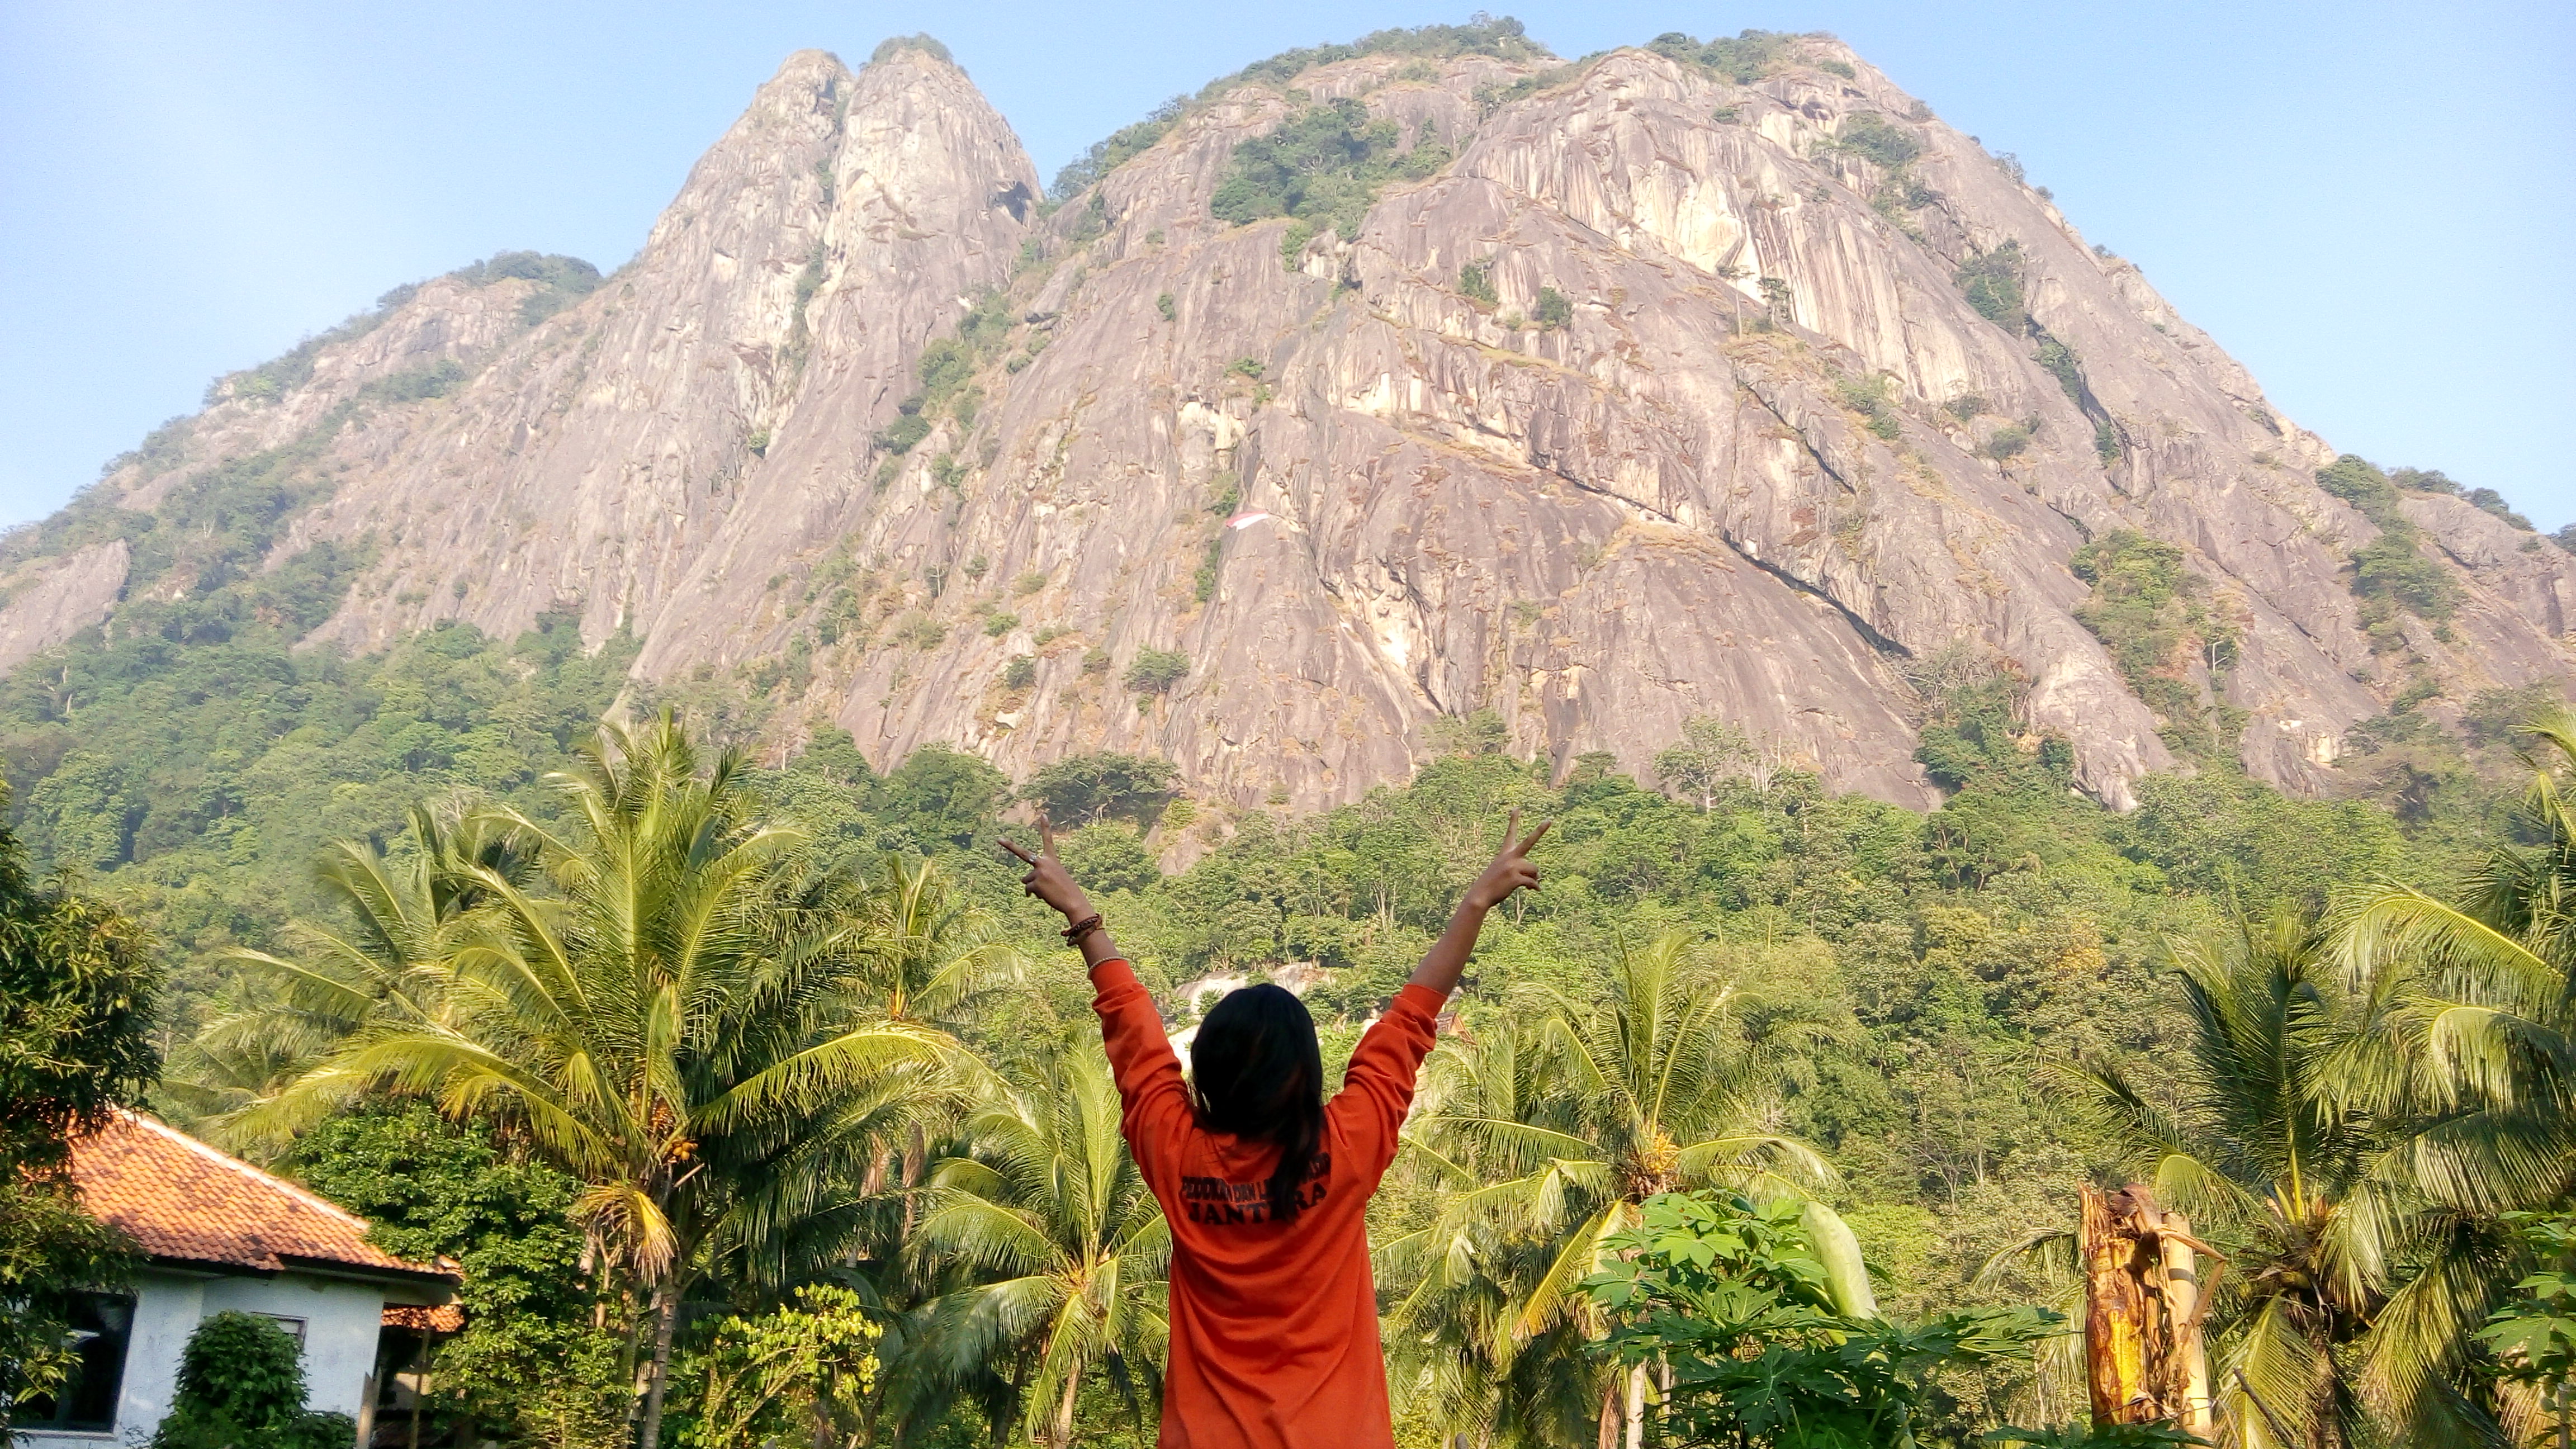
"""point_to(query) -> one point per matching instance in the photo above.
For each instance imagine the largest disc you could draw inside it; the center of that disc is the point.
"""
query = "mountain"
(1377, 393)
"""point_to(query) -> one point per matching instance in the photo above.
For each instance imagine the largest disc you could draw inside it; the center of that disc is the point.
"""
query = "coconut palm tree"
(1544, 1139)
(933, 955)
(2473, 1009)
(667, 1019)
(402, 916)
(2262, 1131)
(1051, 1249)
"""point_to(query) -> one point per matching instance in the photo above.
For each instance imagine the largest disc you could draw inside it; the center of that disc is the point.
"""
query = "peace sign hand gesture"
(1047, 878)
(1510, 869)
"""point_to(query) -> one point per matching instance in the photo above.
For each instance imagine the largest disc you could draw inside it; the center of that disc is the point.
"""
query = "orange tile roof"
(445, 1318)
(182, 1201)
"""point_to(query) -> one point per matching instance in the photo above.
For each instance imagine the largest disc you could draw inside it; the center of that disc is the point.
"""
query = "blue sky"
(2371, 205)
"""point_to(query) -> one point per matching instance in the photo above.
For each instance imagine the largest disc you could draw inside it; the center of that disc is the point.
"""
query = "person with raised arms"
(1265, 1184)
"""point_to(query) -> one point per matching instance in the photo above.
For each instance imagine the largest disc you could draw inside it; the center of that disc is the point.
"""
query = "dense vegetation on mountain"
(1902, 995)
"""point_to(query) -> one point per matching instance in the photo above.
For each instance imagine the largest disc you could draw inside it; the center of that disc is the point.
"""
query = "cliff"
(1688, 381)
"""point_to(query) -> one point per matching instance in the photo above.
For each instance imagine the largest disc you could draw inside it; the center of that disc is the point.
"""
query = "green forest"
(858, 1180)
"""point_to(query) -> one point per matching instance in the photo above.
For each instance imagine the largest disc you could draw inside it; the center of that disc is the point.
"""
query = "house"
(218, 1234)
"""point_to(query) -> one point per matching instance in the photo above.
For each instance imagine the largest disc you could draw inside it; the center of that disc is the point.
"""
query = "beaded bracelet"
(1074, 933)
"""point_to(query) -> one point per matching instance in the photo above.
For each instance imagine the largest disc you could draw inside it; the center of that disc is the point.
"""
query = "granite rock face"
(1675, 501)
(52, 599)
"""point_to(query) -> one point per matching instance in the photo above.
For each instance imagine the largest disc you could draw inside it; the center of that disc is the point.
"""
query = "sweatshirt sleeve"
(1155, 1104)
(1377, 1090)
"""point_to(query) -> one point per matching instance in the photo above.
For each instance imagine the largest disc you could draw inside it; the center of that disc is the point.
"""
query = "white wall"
(341, 1320)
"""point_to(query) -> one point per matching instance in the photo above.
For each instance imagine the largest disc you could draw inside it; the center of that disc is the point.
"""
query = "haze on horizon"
(2365, 205)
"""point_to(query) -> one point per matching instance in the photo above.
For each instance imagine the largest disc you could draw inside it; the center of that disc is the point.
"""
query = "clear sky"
(2372, 205)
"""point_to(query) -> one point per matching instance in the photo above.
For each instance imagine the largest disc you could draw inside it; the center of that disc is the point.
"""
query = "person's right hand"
(1047, 878)
(1510, 869)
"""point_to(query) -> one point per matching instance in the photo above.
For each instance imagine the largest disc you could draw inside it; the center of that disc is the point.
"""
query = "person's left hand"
(1047, 878)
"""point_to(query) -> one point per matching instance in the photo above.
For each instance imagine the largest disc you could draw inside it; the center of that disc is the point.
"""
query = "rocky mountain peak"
(1560, 401)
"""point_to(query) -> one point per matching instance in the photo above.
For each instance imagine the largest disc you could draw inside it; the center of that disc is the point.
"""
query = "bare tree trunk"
(666, 1316)
(1637, 1406)
(1608, 1438)
(2116, 1313)
(1064, 1411)
(2185, 1290)
(419, 1385)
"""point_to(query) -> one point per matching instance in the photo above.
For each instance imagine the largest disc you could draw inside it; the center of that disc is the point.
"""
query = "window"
(294, 1326)
(101, 1325)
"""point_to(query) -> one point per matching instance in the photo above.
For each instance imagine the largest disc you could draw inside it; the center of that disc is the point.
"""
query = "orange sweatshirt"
(1274, 1326)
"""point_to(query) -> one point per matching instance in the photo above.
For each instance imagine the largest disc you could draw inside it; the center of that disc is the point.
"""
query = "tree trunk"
(1637, 1406)
(666, 1316)
(2185, 1291)
(1063, 1425)
(2118, 1313)
(2145, 1295)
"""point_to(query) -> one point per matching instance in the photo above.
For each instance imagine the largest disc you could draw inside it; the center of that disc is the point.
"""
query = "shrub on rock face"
(1157, 670)
(1991, 281)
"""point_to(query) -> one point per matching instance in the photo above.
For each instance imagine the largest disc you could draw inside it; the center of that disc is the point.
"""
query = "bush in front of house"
(241, 1386)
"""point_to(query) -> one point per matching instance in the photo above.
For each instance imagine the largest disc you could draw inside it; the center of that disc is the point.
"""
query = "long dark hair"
(1258, 1073)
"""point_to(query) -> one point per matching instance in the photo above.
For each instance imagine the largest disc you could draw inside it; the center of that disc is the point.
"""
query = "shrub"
(1109, 858)
(1020, 673)
(894, 45)
(2008, 442)
(1211, 561)
(1323, 166)
(1841, 68)
(1966, 407)
(1095, 660)
(2059, 360)
(2154, 617)
(1503, 39)
(1552, 309)
(1155, 671)
(241, 1383)
(1869, 136)
(1991, 281)
(1469, 736)
(416, 384)
(997, 625)
(1873, 398)
(920, 631)
(1167, 305)
(1245, 367)
(903, 434)
(1476, 282)
(2106, 442)
(1748, 57)
(1091, 788)
(1029, 583)
(2391, 567)
(1752, 1315)
(2353, 479)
